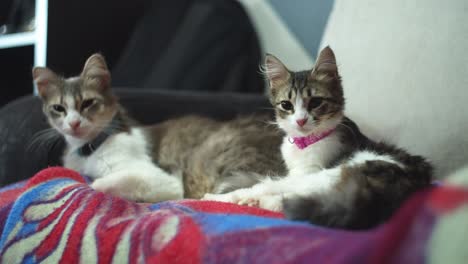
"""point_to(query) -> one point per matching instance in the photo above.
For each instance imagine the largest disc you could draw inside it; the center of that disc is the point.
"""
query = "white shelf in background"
(37, 38)
(17, 40)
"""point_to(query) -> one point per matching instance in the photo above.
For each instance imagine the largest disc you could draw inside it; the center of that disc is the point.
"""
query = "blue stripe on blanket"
(222, 223)
(34, 194)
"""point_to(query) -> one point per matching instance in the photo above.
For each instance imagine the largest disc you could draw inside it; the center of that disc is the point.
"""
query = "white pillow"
(405, 73)
(274, 36)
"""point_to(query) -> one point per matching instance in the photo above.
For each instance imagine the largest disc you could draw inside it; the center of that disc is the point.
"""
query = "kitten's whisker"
(267, 108)
(273, 124)
(43, 133)
(41, 142)
(43, 139)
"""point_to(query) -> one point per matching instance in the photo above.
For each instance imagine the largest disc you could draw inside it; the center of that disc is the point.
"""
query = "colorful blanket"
(55, 217)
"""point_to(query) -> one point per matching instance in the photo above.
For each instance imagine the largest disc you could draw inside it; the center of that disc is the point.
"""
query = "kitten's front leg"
(273, 202)
(230, 197)
(249, 197)
(143, 184)
(268, 194)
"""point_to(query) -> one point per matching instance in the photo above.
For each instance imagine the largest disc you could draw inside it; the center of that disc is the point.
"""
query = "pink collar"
(304, 142)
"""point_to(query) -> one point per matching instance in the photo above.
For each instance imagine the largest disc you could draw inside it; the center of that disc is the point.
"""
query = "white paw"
(248, 197)
(227, 197)
(124, 187)
(265, 201)
(139, 188)
(249, 201)
(231, 197)
(272, 202)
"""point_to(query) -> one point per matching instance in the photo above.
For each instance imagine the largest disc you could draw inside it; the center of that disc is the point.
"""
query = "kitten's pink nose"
(75, 124)
(301, 122)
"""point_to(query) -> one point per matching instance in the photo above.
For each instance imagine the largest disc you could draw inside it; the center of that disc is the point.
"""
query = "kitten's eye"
(58, 108)
(286, 105)
(314, 103)
(86, 103)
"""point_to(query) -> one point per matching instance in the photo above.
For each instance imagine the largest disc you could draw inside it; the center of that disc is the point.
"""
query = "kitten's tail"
(316, 210)
(367, 195)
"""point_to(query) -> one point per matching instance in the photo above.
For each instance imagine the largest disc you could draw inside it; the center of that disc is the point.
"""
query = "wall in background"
(306, 19)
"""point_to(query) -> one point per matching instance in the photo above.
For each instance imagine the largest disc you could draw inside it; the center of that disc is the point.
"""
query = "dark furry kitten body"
(216, 156)
(337, 176)
(382, 186)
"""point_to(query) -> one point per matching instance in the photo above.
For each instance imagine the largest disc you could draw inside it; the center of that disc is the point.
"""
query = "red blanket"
(57, 217)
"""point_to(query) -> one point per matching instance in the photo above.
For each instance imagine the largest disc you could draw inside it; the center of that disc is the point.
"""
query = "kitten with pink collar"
(337, 176)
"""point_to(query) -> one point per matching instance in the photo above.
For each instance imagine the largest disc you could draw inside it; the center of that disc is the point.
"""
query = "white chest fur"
(116, 153)
(311, 159)
(123, 166)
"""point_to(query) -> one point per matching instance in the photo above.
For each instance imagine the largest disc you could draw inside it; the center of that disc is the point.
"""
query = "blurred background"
(183, 36)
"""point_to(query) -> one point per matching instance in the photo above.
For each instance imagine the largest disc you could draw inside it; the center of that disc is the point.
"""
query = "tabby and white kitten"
(179, 158)
(337, 176)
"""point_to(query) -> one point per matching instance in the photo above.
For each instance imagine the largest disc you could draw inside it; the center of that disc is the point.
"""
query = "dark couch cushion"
(202, 45)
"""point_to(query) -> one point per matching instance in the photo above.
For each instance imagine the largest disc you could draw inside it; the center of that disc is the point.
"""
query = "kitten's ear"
(326, 62)
(42, 77)
(96, 68)
(275, 71)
